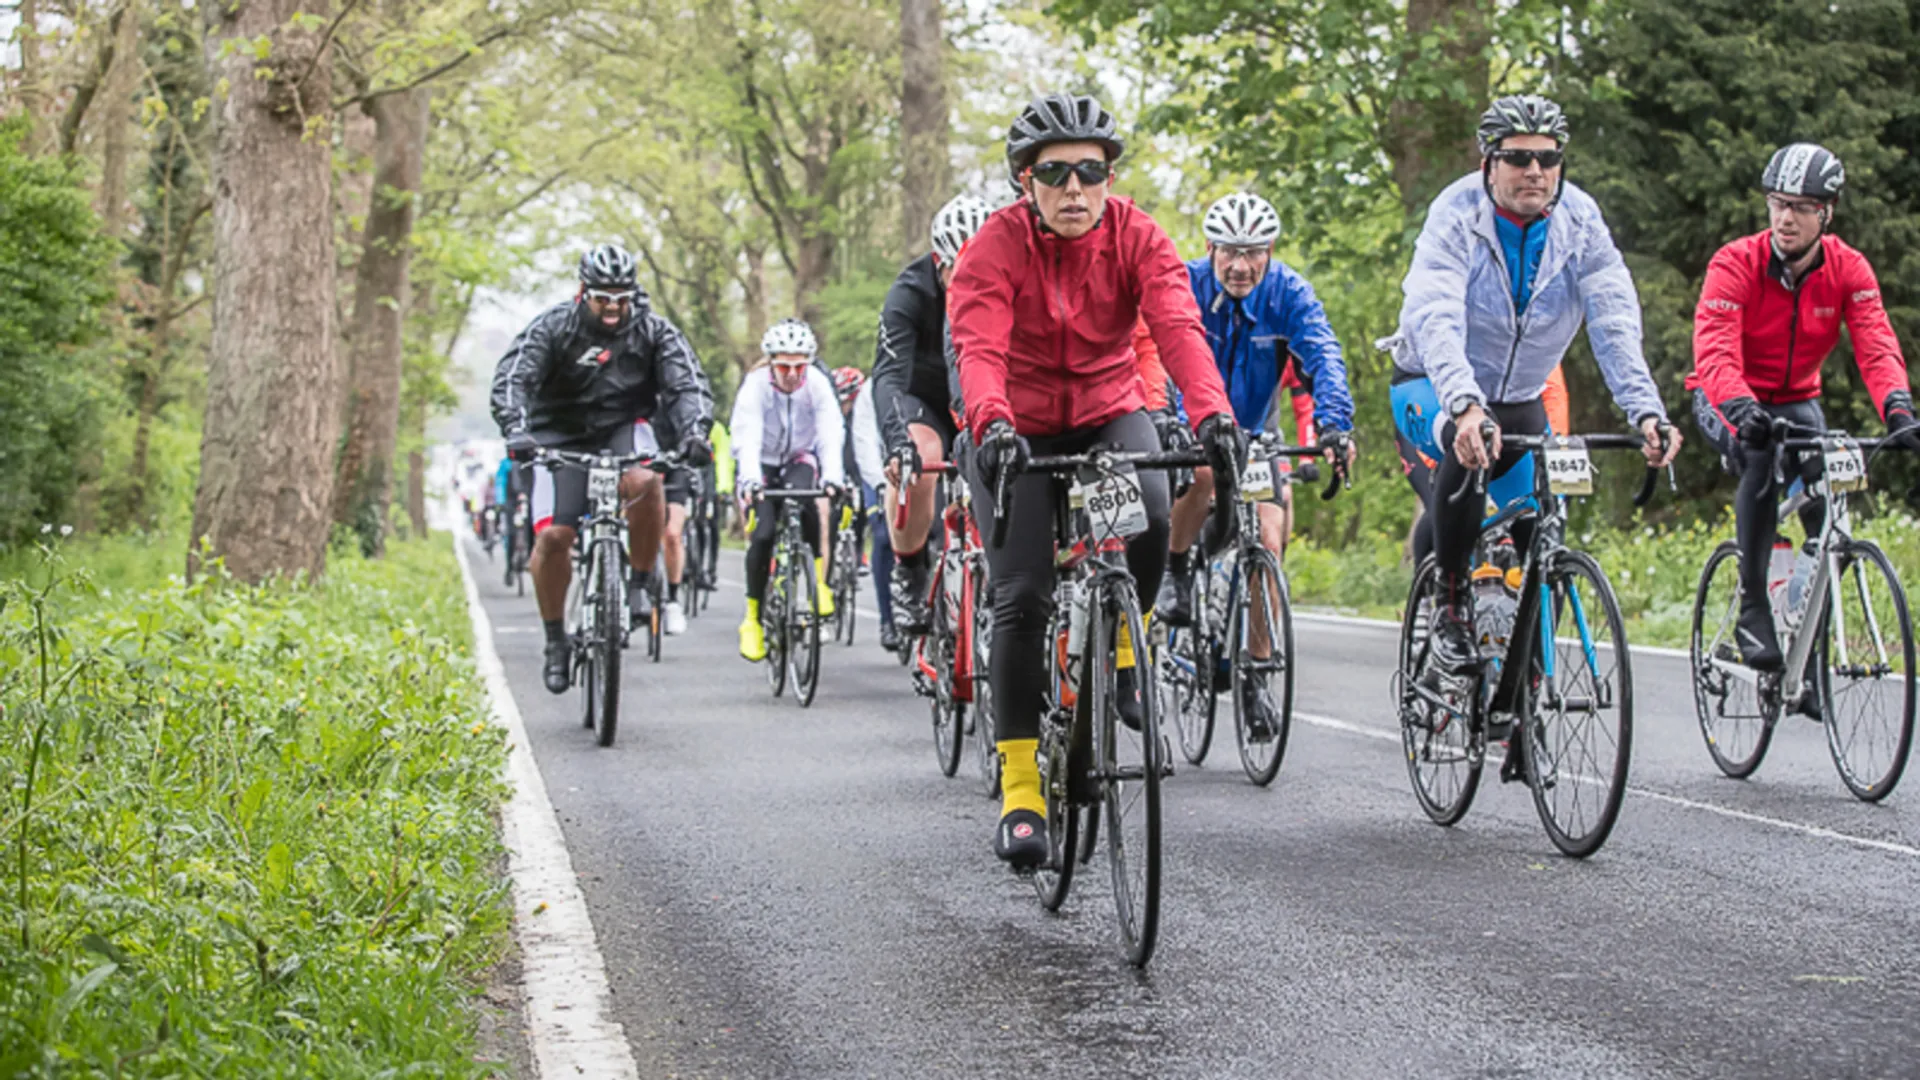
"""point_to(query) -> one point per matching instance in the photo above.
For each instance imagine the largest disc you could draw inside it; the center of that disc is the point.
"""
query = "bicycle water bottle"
(1799, 586)
(1074, 596)
(950, 574)
(1779, 572)
(1495, 604)
(1219, 591)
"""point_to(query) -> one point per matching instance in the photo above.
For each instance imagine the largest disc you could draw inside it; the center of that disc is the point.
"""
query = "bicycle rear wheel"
(803, 629)
(1128, 764)
(1579, 722)
(846, 587)
(1262, 606)
(1444, 749)
(949, 713)
(1734, 719)
(983, 719)
(611, 619)
(1866, 673)
(1185, 680)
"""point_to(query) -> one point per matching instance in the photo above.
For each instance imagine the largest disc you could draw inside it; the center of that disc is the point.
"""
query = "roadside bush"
(248, 831)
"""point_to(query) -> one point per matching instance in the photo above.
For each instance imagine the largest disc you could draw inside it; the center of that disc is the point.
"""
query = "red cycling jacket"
(1752, 337)
(1044, 326)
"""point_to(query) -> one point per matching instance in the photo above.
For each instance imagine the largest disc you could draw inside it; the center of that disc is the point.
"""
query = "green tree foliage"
(1676, 108)
(53, 262)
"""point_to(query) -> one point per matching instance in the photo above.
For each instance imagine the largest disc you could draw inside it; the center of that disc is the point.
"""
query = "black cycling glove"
(696, 453)
(1751, 424)
(1003, 454)
(1899, 414)
(522, 447)
(1226, 447)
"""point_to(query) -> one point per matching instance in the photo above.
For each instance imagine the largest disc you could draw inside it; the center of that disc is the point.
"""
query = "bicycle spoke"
(1864, 673)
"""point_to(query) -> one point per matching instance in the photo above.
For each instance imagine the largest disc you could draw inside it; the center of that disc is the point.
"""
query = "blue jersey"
(1252, 339)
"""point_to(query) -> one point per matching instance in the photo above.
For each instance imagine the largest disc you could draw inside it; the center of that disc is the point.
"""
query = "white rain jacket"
(1458, 326)
(771, 428)
(867, 455)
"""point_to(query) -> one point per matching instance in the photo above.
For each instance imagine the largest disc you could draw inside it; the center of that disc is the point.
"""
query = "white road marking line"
(1815, 831)
(1357, 622)
(564, 976)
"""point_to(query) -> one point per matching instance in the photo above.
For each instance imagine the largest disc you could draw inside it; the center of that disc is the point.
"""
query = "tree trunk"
(417, 490)
(266, 448)
(116, 120)
(1430, 140)
(755, 288)
(33, 90)
(363, 486)
(926, 170)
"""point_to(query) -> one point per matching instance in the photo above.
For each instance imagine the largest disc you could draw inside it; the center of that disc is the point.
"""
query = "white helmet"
(1242, 219)
(956, 223)
(789, 336)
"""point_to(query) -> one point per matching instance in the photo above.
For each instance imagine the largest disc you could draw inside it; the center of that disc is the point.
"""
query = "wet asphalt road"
(783, 892)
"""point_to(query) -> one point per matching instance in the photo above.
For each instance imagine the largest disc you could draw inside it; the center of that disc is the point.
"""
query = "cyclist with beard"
(1043, 308)
(1509, 264)
(589, 374)
(1770, 313)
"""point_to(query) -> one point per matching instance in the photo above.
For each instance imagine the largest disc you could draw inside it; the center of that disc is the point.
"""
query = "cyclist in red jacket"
(1043, 307)
(1769, 313)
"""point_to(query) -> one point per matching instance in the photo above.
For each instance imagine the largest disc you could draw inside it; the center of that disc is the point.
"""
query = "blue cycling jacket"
(1252, 338)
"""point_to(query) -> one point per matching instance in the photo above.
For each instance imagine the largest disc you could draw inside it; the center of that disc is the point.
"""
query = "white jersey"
(773, 429)
(867, 455)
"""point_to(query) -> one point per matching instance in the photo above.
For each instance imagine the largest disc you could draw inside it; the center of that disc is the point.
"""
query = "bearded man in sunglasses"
(1509, 264)
(1042, 311)
(598, 372)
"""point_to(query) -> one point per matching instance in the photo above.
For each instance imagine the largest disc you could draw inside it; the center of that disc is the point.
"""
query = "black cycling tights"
(766, 522)
(1456, 523)
(1756, 505)
(1021, 569)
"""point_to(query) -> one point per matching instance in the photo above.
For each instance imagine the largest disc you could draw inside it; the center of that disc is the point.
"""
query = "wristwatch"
(1459, 406)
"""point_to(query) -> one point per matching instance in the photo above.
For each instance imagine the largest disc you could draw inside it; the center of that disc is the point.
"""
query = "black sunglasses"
(1524, 159)
(1054, 173)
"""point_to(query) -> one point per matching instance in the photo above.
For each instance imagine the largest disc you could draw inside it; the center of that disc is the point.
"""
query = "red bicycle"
(950, 659)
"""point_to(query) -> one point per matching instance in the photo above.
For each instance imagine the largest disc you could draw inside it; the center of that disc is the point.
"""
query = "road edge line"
(1306, 615)
(563, 975)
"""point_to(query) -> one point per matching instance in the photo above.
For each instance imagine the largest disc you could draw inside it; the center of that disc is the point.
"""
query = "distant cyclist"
(1769, 315)
(1509, 265)
(1261, 316)
(912, 399)
(787, 433)
(591, 374)
(1044, 305)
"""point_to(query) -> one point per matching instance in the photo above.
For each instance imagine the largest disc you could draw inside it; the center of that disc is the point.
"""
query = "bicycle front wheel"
(580, 622)
(1735, 721)
(1185, 674)
(611, 620)
(1128, 764)
(1444, 750)
(983, 720)
(1579, 718)
(803, 629)
(1866, 672)
(773, 623)
(1262, 622)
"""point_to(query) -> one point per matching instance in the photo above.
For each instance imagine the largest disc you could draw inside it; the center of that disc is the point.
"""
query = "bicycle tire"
(1187, 662)
(1561, 767)
(1738, 740)
(580, 659)
(1053, 879)
(773, 626)
(985, 747)
(612, 620)
(1444, 754)
(803, 622)
(1868, 779)
(1261, 760)
(1129, 792)
(846, 588)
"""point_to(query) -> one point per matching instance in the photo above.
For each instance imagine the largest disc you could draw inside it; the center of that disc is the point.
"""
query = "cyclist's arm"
(980, 315)
(685, 396)
(519, 374)
(1613, 324)
(1304, 323)
(749, 420)
(829, 427)
(1719, 323)
(894, 350)
(1172, 315)
(1875, 348)
(1434, 313)
(1153, 374)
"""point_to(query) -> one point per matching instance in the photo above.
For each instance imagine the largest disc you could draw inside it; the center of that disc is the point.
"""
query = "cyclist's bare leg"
(1190, 510)
(645, 494)
(552, 570)
(673, 543)
(920, 498)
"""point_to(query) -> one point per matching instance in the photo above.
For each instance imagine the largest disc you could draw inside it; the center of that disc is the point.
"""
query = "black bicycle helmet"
(608, 266)
(1806, 170)
(1521, 114)
(1059, 118)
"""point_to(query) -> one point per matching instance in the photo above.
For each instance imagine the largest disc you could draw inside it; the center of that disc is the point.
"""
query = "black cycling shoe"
(1126, 693)
(1174, 606)
(1759, 647)
(909, 585)
(554, 672)
(1021, 840)
(889, 637)
(1258, 711)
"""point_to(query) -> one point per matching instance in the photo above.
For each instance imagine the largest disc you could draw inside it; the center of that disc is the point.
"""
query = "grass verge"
(246, 832)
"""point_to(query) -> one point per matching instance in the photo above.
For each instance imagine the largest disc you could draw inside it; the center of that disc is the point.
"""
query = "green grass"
(1654, 571)
(244, 832)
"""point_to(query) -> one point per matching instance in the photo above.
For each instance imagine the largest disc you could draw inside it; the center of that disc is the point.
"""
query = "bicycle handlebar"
(1601, 441)
(791, 493)
(656, 462)
(907, 478)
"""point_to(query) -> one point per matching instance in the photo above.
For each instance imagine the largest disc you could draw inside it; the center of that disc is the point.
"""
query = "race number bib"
(1569, 470)
(1114, 504)
(1846, 469)
(1256, 484)
(603, 485)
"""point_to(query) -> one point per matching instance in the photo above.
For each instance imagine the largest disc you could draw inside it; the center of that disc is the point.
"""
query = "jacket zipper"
(1793, 334)
(1064, 411)
(1513, 354)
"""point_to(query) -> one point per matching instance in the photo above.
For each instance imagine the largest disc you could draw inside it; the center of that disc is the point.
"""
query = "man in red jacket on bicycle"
(1769, 313)
(1042, 308)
